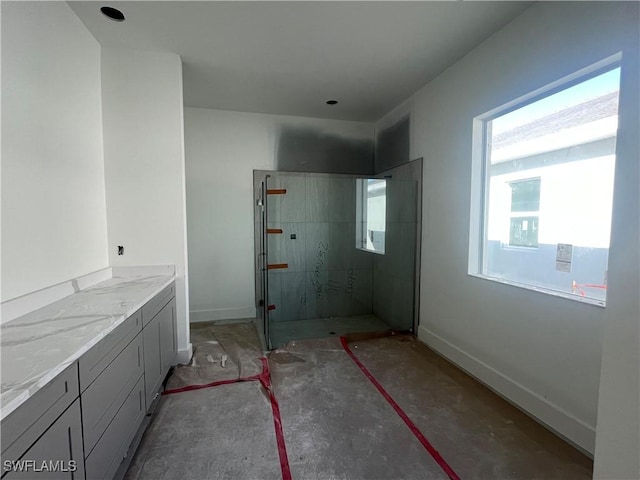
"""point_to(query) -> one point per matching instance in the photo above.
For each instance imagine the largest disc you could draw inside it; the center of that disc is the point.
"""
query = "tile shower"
(317, 282)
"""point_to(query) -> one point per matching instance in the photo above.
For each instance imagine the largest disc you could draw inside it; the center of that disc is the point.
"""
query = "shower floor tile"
(284, 332)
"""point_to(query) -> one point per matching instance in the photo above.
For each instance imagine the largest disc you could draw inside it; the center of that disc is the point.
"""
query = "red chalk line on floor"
(212, 384)
(403, 415)
(265, 380)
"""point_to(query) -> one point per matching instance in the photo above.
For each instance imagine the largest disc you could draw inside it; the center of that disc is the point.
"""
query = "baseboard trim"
(575, 431)
(184, 355)
(222, 314)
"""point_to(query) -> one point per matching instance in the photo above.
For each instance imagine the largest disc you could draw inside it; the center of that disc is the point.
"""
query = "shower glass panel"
(395, 271)
(313, 280)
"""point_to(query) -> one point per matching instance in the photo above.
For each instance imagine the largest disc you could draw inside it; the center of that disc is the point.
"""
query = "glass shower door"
(269, 264)
(262, 287)
(285, 235)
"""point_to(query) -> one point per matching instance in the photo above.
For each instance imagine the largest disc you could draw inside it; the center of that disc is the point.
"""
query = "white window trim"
(361, 216)
(546, 291)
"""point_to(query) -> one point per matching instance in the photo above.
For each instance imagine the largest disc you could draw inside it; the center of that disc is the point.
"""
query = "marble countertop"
(36, 347)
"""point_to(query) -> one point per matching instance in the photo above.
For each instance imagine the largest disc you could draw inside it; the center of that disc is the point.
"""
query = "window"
(543, 187)
(371, 211)
(525, 203)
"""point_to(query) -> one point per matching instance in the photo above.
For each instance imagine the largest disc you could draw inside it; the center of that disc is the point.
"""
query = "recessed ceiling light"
(113, 14)
(332, 102)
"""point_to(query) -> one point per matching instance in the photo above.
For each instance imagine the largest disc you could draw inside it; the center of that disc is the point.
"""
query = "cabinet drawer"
(60, 447)
(93, 362)
(113, 446)
(23, 426)
(104, 397)
(153, 306)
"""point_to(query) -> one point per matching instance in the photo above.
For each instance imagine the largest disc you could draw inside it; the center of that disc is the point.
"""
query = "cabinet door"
(152, 363)
(57, 454)
(21, 428)
(168, 343)
(114, 445)
(105, 396)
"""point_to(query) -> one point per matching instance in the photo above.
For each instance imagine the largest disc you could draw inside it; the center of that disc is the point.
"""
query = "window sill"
(518, 248)
(554, 293)
(369, 251)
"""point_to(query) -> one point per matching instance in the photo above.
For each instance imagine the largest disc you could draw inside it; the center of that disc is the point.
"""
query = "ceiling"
(291, 57)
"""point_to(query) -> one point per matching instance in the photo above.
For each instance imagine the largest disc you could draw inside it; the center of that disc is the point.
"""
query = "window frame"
(480, 156)
(524, 213)
(362, 212)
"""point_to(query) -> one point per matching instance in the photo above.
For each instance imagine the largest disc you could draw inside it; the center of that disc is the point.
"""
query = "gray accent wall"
(307, 149)
(392, 145)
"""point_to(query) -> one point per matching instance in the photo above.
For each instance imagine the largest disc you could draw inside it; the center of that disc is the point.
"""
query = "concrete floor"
(337, 426)
(224, 432)
(220, 352)
(476, 431)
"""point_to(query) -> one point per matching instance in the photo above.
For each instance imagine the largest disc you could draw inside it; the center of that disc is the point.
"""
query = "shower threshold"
(284, 332)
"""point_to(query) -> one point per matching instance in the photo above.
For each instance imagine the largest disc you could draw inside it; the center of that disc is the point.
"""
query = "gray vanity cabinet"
(159, 337)
(111, 373)
(93, 412)
(115, 443)
(57, 454)
(123, 373)
(46, 428)
(102, 355)
(103, 399)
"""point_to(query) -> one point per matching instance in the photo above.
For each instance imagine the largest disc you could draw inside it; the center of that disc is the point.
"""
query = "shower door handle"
(262, 261)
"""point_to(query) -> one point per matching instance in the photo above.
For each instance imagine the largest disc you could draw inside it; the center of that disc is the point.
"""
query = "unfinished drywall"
(53, 201)
(308, 149)
(540, 351)
(144, 166)
(392, 145)
(222, 150)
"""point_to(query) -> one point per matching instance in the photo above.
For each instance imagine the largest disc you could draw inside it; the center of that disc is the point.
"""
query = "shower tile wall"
(326, 275)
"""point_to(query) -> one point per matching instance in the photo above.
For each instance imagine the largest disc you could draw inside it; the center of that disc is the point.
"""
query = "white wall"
(222, 150)
(144, 166)
(53, 196)
(618, 427)
(540, 351)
